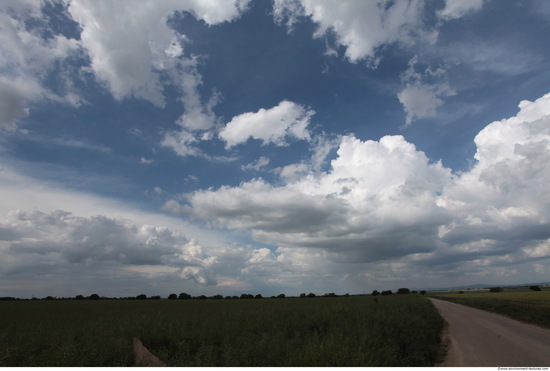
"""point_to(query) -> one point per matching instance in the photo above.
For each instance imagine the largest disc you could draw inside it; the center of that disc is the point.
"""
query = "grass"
(518, 303)
(398, 330)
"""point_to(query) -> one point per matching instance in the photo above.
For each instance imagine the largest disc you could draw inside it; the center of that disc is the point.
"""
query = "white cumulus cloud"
(272, 125)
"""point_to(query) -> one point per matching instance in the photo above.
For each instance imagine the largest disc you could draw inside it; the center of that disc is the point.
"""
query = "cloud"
(503, 198)
(272, 125)
(459, 8)
(130, 45)
(386, 201)
(361, 26)
(27, 60)
(256, 165)
(377, 201)
(423, 92)
(364, 27)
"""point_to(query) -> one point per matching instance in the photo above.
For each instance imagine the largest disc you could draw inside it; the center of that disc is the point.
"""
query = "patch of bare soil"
(143, 357)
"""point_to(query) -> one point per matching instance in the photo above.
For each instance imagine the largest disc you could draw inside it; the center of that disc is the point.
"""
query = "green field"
(397, 330)
(519, 303)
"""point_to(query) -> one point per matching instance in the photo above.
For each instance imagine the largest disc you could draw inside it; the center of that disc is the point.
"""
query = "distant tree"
(155, 297)
(310, 295)
(535, 288)
(184, 296)
(217, 297)
(303, 295)
(79, 297)
(423, 292)
(228, 297)
(330, 295)
(201, 297)
(403, 291)
(172, 297)
(258, 296)
(386, 293)
(49, 298)
(281, 296)
(461, 292)
(141, 297)
(247, 296)
(346, 294)
(234, 297)
(496, 289)
(94, 297)
(375, 293)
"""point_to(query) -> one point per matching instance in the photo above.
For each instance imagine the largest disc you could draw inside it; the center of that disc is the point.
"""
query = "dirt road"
(483, 339)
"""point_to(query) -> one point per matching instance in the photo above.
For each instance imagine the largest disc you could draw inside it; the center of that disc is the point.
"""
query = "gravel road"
(477, 338)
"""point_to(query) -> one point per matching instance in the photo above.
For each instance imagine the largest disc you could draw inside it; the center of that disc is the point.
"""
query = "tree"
(217, 296)
(303, 295)
(281, 296)
(535, 288)
(94, 297)
(79, 297)
(172, 297)
(247, 296)
(259, 296)
(496, 289)
(386, 292)
(310, 295)
(423, 292)
(403, 291)
(184, 296)
(375, 293)
(155, 297)
(141, 297)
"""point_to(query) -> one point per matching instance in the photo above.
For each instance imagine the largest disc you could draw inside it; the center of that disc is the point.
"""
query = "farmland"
(396, 330)
(519, 303)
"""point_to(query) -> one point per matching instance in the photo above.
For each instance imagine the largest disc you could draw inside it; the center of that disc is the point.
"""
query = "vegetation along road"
(482, 339)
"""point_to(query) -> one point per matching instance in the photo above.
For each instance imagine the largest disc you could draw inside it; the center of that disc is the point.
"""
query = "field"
(397, 330)
(519, 303)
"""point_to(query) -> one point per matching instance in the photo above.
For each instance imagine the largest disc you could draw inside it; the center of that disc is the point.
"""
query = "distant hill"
(484, 286)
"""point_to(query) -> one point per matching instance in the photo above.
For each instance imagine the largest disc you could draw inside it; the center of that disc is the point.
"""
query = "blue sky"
(272, 146)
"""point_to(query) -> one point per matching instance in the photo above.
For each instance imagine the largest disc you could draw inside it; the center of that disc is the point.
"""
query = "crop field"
(519, 303)
(397, 330)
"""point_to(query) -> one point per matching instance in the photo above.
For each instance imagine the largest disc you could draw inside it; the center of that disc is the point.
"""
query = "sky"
(272, 146)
